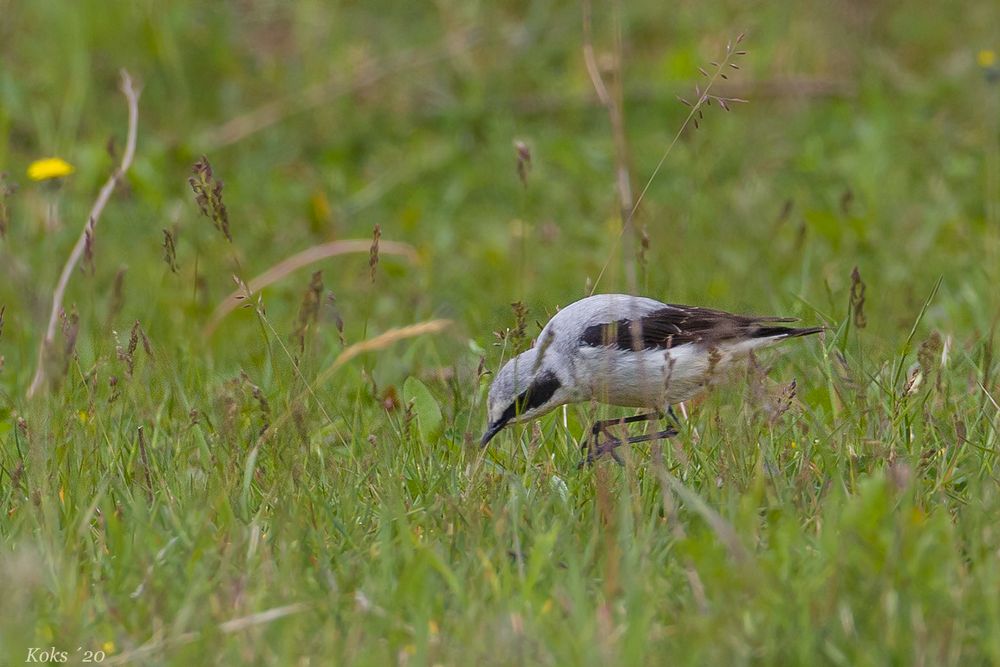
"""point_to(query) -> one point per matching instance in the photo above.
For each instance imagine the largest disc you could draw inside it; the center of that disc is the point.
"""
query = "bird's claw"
(596, 450)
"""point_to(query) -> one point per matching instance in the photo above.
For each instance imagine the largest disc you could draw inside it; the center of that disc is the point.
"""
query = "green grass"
(859, 527)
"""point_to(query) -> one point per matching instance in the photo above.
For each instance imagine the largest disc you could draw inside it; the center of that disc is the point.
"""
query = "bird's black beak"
(492, 431)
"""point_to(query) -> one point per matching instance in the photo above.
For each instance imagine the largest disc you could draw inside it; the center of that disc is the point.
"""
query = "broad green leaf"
(424, 405)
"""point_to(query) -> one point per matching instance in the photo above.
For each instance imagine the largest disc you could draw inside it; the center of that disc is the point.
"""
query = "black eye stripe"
(540, 391)
(537, 395)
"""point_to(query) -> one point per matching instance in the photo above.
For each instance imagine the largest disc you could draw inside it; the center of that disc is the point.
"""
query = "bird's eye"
(535, 396)
(538, 394)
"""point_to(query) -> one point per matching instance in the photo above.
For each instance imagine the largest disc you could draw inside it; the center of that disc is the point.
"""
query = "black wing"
(677, 325)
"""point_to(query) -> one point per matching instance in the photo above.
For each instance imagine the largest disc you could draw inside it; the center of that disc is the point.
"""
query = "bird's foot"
(596, 450)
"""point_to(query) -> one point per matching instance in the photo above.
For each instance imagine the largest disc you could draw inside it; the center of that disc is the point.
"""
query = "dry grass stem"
(613, 102)
(376, 343)
(145, 465)
(703, 97)
(132, 98)
(299, 260)
(226, 628)
(383, 341)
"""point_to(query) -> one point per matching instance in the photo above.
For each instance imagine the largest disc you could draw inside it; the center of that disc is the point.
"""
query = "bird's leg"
(597, 449)
(611, 445)
(649, 437)
(602, 426)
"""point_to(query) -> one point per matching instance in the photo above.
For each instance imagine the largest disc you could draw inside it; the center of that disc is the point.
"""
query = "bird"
(627, 351)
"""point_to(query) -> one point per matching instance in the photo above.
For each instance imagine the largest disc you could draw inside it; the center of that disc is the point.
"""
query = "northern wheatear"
(628, 351)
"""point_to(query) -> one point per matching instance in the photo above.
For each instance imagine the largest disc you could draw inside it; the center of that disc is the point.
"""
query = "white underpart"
(656, 378)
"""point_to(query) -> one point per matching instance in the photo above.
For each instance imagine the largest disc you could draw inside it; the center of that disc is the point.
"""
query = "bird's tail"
(785, 332)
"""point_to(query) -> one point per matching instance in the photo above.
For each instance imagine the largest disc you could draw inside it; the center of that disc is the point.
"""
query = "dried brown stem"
(704, 96)
(145, 466)
(614, 104)
(226, 628)
(296, 262)
(132, 98)
(373, 344)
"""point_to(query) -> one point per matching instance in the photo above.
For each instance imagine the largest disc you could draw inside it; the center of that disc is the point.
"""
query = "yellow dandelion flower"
(986, 58)
(48, 168)
(108, 647)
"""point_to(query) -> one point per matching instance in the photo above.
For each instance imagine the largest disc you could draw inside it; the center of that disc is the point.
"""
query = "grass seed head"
(929, 357)
(127, 355)
(858, 288)
(518, 335)
(643, 248)
(705, 98)
(115, 390)
(373, 254)
(262, 404)
(308, 309)
(88, 248)
(117, 299)
(208, 195)
(338, 321)
(169, 250)
(70, 326)
(15, 476)
(782, 403)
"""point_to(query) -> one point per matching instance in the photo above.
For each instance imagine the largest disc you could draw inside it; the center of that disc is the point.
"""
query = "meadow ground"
(270, 493)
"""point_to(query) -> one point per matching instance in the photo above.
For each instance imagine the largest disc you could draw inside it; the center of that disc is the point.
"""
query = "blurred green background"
(871, 119)
(869, 140)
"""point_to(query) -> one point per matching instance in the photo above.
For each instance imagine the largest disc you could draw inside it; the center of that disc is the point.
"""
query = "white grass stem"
(132, 97)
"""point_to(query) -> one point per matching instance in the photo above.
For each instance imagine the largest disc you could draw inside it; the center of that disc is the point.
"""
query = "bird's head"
(525, 388)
